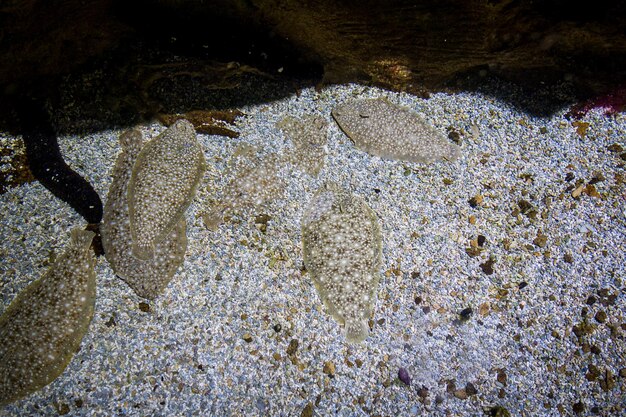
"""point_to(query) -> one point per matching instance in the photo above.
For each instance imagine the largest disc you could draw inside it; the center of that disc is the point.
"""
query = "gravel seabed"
(209, 345)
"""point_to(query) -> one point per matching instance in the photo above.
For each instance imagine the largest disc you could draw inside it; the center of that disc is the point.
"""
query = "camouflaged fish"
(148, 278)
(254, 185)
(342, 248)
(162, 185)
(42, 328)
(309, 136)
(381, 128)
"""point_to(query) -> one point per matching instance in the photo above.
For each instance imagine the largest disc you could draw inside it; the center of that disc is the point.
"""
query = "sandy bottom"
(503, 281)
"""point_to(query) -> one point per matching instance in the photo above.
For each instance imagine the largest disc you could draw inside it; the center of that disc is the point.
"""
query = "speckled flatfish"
(255, 184)
(309, 135)
(342, 248)
(148, 278)
(42, 328)
(162, 185)
(384, 129)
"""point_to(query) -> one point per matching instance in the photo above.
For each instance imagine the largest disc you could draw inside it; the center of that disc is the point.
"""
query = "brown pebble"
(608, 382)
(616, 148)
(472, 219)
(622, 372)
(277, 356)
(358, 362)
(578, 190)
(487, 266)
(592, 373)
(600, 316)
(568, 258)
(476, 201)
(293, 347)
(483, 309)
(62, 408)
(541, 240)
(422, 392)
(502, 377)
(247, 337)
(597, 177)
(307, 411)
(145, 307)
(329, 369)
(461, 394)
(450, 386)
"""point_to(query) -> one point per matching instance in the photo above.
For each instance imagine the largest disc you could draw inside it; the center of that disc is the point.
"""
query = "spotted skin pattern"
(163, 184)
(44, 325)
(383, 129)
(342, 246)
(148, 278)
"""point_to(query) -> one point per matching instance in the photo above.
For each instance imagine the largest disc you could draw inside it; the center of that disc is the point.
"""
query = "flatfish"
(44, 325)
(342, 247)
(148, 278)
(381, 128)
(163, 183)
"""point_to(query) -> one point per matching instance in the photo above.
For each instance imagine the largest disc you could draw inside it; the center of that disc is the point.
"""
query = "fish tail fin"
(356, 330)
(82, 238)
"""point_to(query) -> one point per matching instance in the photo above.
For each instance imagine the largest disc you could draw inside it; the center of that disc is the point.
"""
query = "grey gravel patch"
(188, 354)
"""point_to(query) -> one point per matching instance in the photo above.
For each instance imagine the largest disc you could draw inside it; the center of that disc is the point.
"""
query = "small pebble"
(329, 369)
(461, 394)
(466, 313)
(403, 375)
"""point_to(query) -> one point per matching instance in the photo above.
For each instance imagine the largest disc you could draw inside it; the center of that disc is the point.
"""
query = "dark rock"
(403, 375)
(600, 316)
(498, 411)
(145, 307)
(475, 201)
(466, 313)
(578, 407)
(487, 266)
(470, 389)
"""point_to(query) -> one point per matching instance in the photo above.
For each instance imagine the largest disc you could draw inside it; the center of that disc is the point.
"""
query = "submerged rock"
(381, 128)
(254, 185)
(309, 136)
(162, 185)
(42, 328)
(342, 247)
(148, 278)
